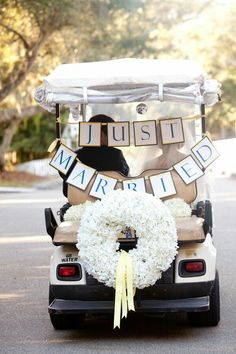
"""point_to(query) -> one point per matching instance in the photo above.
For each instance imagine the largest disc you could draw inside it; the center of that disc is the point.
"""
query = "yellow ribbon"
(129, 280)
(124, 294)
(53, 145)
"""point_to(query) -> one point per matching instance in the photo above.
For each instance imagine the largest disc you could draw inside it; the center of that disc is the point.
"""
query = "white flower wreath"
(103, 221)
(178, 207)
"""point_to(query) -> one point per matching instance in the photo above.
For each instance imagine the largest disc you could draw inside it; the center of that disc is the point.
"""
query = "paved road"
(24, 257)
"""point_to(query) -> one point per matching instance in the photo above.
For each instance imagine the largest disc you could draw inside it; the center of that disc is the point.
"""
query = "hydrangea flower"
(75, 212)
(178, 207)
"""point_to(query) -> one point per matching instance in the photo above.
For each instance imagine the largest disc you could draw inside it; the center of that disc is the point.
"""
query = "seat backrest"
(187, 192)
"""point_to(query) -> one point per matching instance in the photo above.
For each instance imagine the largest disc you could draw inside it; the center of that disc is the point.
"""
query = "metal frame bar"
(58, 125)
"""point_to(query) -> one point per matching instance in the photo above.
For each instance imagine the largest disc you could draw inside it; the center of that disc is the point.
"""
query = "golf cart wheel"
(65, 321)
(212, 316)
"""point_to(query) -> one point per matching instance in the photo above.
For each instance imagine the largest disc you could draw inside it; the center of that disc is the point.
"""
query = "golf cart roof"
(127, 80)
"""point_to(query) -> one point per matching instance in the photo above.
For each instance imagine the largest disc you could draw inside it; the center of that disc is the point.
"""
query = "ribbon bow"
(124, 294)
(53, 145)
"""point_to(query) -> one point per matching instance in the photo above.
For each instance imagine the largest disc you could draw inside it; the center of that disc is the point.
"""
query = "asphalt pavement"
(25, 251)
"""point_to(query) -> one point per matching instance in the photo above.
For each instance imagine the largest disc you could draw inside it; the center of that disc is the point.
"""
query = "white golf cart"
(153, 92)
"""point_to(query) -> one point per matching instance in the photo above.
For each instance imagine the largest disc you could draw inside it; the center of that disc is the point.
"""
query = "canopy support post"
(83, 108)
(58, 126)
(203, 118)
(85, 102)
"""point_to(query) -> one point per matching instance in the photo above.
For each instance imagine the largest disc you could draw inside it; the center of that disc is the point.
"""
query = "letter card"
(162, 184)
(205, 152)
(89, 134)
(102, 185)
(63, 159)
(172, 131)
(118, 134)
(80, 176)
(136, 184)
(188, 169)
(145, 133)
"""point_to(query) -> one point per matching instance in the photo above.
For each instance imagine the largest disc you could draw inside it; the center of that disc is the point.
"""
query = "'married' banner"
(189, 169)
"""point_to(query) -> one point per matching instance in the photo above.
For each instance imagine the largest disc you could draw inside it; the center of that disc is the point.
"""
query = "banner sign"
(189, 169)
(145, 132)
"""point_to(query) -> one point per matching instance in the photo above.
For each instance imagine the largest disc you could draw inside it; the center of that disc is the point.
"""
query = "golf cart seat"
(188, 229)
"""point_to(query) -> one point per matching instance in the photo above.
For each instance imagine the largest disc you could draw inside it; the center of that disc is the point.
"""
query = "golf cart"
(160, 106)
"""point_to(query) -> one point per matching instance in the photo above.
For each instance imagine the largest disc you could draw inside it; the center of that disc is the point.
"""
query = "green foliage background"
(33, 137)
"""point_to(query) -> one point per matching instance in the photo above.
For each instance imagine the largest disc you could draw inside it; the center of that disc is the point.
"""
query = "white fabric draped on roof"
(127, 80)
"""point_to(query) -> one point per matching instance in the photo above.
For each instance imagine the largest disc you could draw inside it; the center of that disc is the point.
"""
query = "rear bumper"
(198, 304)
(188, 297)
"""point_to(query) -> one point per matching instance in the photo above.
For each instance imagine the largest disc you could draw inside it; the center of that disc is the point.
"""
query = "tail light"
(69, 272)
(192, 268)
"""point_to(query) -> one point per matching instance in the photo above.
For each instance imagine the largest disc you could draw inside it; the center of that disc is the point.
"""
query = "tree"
(25, 27)
(37, 35)
(211, 39)
(32, 137)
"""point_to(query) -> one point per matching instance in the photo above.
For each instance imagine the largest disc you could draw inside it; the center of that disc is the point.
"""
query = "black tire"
(211, 317)
(65, 321)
